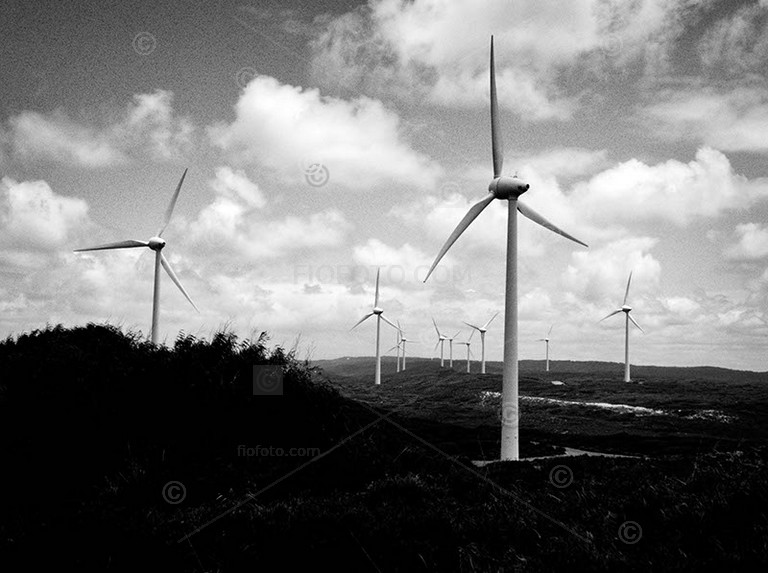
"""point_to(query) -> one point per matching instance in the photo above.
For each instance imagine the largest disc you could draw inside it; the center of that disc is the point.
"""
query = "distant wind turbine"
(469, 352)
(546, 339)
(440, 341)
(376, 310)
(155, 243)
(403, 341)
(396, 347)
(482, 330)
(626, 309)
(450, 349)
(506, 189)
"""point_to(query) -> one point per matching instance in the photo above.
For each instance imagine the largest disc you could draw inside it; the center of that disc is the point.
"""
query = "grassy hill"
(118, 455)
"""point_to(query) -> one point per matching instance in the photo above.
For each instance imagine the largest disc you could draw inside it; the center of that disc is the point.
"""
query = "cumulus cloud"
(732, 120)
(288, 128)
(672, 191)
(422, 50)
(35, 218)
(234, 224)
(752, 242)
(147, 123)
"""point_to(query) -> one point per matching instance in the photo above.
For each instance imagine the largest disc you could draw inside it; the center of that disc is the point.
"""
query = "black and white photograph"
(383, 285)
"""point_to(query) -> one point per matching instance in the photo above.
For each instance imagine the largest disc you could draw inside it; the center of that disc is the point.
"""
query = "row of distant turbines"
(401, 340)
(501, 187)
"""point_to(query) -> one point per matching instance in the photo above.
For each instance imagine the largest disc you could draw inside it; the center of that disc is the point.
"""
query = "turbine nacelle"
(377, 310)
(626, 308)
(508, 187)
(156, 243)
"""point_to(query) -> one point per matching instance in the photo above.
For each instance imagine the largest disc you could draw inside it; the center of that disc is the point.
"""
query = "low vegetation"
(118, 455)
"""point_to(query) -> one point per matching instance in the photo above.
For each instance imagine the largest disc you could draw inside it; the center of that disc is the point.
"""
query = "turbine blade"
(471, 334)
(489, 322)
(473, 212)
(610, 315)
(436, 345)
(376, 299)
(550, 330)
(387, 321)
(472, 325)
(436, 329)
(129, 244)
(369, 315)
(395, 346)
(174, 278)
(635, 323)
(536, 218)
(455, 335)
(626, 293)
(172, 205)
(497, 145)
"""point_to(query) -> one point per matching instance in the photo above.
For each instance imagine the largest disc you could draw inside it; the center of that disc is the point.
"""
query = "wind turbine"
(399, 340)
(440, 341)
(376, 310)
(626, 309)
(482, 330)
(469, 352)
(403, 340)
(508, 189)
(450, 347)
(155, 243)
(546, 339)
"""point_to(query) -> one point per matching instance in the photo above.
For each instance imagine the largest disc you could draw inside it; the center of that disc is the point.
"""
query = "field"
(120, 456)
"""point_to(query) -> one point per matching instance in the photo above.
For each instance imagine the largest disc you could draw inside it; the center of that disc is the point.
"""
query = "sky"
(325, 140)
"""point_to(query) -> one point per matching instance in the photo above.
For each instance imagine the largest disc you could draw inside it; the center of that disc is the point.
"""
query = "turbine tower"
(396, 347)
(469, 352)
(546, 340)
(450, 349)
(482, 330)
(155, 243)
(403, 341)
(506, 189)
(626, 309)
(440, 341)
(376, 310)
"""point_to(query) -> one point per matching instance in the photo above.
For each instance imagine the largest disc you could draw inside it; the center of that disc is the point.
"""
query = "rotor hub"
(508, 187)
(377, 310)
(156, 243)
(626, 308)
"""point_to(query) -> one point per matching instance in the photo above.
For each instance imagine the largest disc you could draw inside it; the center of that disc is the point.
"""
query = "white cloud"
(673, 191)
(147, 123)
(752, 242)
(56, 137)
(231, 184)
(35, 218)
(600, 274)
(287, 129)
(734, 120)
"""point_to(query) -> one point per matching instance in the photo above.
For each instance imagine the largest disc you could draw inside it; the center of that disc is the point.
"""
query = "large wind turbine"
(440, 341)
(450, 349)
(546, 340)
(469, 352)
(626, 309)
(155, 243)
(507, 189)
(482, 330)
(376, 310)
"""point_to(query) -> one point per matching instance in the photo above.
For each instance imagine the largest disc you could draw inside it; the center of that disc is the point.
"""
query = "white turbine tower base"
(155, 243)
(626, 309)
(506, 189)
(377, 311)
(482, 330)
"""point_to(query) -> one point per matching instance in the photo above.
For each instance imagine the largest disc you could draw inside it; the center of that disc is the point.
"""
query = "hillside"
(118, 454)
